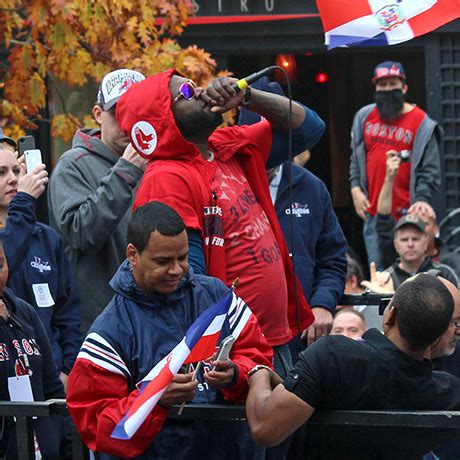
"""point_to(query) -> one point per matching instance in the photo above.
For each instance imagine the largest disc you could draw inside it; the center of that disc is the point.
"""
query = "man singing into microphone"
(216, 181)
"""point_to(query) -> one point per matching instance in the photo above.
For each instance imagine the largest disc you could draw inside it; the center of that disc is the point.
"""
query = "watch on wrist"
(257, 369)
(247, 97)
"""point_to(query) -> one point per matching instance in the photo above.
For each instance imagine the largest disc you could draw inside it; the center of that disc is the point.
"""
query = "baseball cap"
(389, 69)
(114, 84)
(7, 139)
(410, 219)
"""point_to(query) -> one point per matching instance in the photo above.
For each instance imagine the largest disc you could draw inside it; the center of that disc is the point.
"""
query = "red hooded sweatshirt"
(179, 176)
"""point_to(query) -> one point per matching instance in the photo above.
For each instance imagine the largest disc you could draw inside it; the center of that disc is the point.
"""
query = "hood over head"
(145, 116)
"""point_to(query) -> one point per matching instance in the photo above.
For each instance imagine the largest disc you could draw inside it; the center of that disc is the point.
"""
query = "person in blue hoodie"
(318, 245)
(40, 273)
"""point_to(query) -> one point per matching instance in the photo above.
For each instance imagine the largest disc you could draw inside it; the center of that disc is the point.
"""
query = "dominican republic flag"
(199, 343)
(382, 22)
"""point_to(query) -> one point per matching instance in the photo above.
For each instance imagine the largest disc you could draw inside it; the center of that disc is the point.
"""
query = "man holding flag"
(130, 368)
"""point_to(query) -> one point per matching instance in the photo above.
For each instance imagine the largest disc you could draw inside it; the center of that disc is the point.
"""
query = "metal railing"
(355, 430)
(422, 430)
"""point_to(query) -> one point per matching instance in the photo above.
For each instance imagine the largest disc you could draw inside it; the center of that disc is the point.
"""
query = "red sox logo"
(144, 138)
(126, 84)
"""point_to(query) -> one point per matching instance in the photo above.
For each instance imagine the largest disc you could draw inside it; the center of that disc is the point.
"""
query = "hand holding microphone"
(225, 93)
(220, 95)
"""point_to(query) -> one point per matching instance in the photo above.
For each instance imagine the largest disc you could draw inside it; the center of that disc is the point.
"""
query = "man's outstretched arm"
(273, 415)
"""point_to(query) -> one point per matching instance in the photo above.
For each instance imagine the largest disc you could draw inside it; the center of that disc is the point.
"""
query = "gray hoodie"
(90, 196)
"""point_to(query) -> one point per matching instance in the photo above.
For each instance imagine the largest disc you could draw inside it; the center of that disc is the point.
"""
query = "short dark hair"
(424, 308)
(354, 268)
(150, 217)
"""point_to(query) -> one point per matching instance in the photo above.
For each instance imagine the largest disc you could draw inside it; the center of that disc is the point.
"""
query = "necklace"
(210, 156)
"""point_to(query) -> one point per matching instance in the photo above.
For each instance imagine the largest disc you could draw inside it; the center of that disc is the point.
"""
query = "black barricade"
(327, 435)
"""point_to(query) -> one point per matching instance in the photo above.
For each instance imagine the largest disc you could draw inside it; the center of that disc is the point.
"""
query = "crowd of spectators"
(154, 215)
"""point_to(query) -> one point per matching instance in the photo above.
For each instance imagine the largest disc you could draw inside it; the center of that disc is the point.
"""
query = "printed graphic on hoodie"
(249, 242)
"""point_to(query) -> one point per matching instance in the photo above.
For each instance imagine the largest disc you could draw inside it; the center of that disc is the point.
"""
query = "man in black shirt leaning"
(382, 372)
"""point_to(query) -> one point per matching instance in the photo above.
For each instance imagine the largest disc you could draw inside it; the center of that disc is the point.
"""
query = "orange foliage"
(76, 41)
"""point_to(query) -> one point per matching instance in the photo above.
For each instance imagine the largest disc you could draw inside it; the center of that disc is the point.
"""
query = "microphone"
(242, 84)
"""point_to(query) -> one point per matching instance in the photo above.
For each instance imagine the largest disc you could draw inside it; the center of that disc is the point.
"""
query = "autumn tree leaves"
(76, 41)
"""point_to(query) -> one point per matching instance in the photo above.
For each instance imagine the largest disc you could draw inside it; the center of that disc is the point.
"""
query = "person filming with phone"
(40, 273)
(392, 123)
(157, 297)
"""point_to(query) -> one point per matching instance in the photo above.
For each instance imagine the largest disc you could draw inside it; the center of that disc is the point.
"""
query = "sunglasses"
(186, 90)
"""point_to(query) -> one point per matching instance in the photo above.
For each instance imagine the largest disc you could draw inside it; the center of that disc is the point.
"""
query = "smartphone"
(26, 143)
(224, 348)
(33, 159)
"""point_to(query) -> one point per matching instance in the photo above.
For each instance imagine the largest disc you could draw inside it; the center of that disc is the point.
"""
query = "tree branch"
(61, 98)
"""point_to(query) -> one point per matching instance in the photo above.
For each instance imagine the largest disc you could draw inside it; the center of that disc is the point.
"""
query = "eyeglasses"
(186, 90)
(455, 323)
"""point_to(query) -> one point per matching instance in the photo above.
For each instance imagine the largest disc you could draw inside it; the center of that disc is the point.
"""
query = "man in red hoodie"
(216, 181)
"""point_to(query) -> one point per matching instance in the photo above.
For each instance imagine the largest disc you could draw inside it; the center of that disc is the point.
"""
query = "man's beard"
(389, 103)
(198, 123)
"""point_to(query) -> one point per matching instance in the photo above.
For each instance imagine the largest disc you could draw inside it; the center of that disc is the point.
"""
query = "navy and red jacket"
(127, 340)
(35, 256)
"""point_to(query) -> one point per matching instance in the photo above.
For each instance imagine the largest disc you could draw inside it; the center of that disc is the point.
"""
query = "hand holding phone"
(224, 349)
(33, 159)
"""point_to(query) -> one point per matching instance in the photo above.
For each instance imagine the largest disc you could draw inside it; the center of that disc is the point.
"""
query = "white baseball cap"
(114, 84)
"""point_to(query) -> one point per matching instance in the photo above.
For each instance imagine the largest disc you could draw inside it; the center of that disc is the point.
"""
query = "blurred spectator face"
(390, 83)
(111, 134)
(349, 324)
(9, 175)
(411, 244)
(446, 344)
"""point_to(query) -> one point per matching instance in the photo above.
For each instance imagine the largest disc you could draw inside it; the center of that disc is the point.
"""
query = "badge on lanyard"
(19, 386)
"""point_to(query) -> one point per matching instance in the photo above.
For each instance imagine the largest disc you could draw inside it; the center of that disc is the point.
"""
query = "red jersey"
(381, 136)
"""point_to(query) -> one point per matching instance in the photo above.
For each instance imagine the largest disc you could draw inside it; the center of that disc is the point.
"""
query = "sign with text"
(225, 11)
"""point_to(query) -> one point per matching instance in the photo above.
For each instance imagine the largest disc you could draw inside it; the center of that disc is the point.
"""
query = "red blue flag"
(198, 344)
(382, 22)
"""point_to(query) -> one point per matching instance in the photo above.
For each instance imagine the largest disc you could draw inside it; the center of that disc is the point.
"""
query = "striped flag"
(382, 22)
(199, 343)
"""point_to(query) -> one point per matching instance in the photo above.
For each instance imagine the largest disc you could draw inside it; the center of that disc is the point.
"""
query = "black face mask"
(389, 103)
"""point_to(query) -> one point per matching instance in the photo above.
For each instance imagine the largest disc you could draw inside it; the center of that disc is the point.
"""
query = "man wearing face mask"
(391, 123)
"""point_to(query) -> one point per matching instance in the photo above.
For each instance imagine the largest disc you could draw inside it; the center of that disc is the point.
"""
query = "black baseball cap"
(411, 219)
